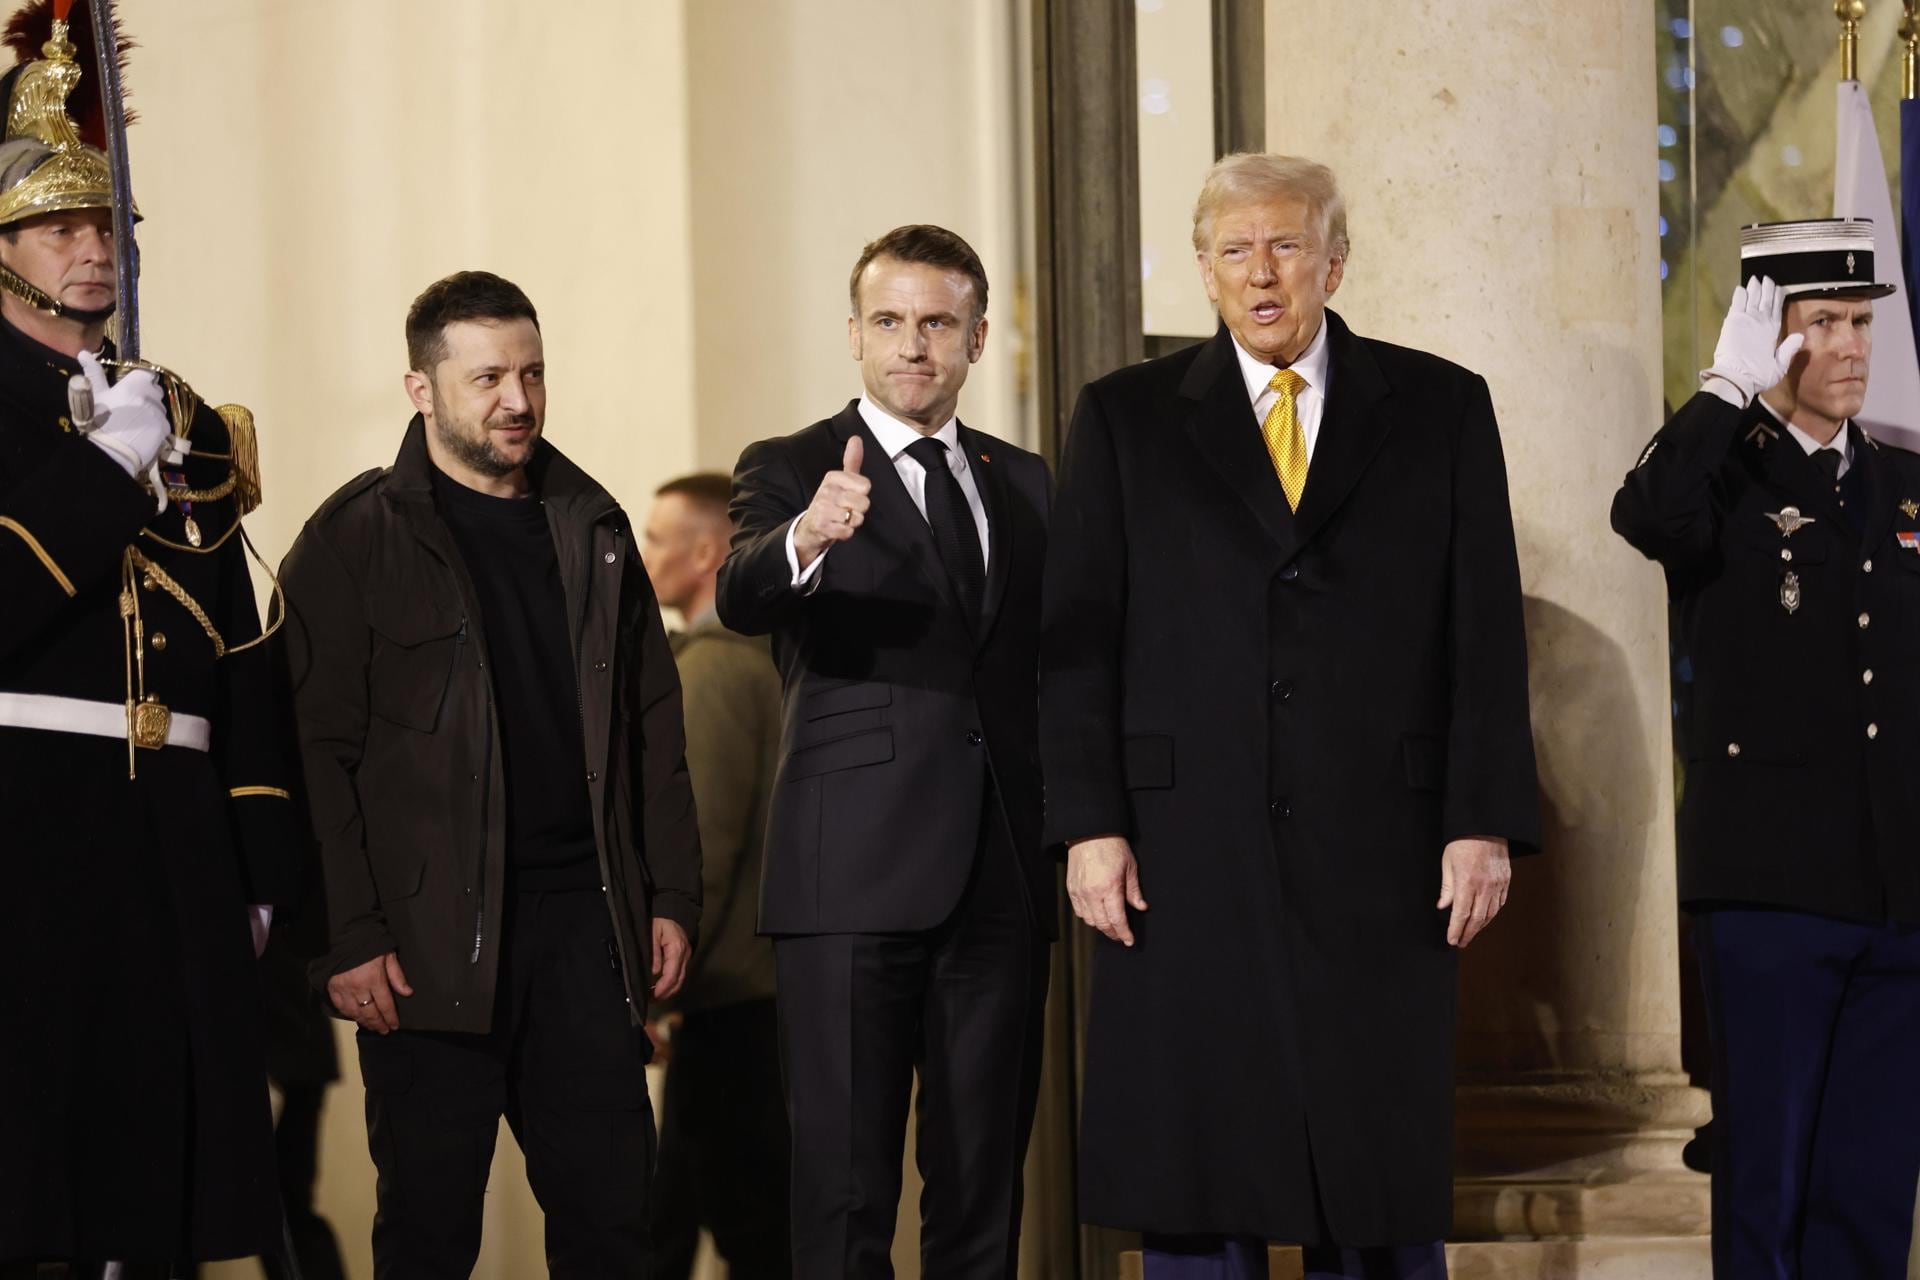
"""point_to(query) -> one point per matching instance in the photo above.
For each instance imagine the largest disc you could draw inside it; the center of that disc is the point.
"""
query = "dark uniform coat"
(1802, 732)
(134, 1116)
(732, 708)
(1289, 716)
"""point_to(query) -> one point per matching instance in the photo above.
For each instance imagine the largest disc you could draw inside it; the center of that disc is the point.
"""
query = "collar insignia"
(1789, 520)
(1910, 508)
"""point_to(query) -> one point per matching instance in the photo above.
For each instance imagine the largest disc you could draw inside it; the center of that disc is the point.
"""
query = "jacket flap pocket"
(874, 746)
(1425, 760)
(1148, 761)
(397, 876)
(408, 621)
(845, 697)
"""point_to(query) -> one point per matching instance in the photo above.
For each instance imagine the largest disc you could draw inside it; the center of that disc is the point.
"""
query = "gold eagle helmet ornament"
(47, 165)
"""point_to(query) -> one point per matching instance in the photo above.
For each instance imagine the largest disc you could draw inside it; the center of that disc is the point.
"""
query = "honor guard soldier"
(143, 776)
(1791, 544)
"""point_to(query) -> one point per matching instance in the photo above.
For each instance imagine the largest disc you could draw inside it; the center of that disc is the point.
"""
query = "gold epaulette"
(245, 455)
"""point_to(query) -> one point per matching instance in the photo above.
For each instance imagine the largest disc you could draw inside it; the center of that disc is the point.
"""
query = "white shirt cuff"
(805, 580)
(1719, 386)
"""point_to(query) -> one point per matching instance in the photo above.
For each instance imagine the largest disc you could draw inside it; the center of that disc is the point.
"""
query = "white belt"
(101, 719)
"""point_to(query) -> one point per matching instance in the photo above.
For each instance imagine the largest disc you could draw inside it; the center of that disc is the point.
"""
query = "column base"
(1578, 1158)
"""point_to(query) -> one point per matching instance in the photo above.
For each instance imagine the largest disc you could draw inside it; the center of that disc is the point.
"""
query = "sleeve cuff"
(807, 580)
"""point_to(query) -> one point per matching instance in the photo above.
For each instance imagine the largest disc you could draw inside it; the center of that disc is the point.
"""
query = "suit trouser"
(567, 1068)
(1816, 1115)
(724, 1145)
(858, 1014)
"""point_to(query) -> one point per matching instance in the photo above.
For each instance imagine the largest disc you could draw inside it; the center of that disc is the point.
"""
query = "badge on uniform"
(1910, 508)
(1789, 520)
(1909, 538)
(1790, 591)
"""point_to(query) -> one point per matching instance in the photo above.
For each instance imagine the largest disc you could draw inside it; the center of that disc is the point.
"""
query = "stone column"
(1499, 161)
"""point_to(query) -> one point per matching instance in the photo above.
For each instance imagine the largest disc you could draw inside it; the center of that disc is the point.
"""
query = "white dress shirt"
(1842, 442)
(895, 438)
(1311, 402)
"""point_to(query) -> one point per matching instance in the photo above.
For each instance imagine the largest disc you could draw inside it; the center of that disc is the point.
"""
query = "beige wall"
(816, 127)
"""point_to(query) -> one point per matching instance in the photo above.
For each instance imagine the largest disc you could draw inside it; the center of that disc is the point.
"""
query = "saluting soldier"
(1791, 544)
(143, 778)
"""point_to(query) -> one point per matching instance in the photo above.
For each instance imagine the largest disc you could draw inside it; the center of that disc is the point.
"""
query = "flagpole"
(1850, 13)
(1910, 50)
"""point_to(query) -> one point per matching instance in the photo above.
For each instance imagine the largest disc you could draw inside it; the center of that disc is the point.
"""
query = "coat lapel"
(1351, 431)
(1222, 427)
(991, 479)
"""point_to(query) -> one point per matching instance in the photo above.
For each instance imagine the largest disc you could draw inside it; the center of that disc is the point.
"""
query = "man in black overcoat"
(895, 555)
(1284, 701)
(145, 752)
(1791, 544)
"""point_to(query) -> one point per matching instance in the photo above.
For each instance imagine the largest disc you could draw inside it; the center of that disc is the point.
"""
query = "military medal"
(177, 487)
(1910, 508)
(1789, 520)
(1909, 538)
(1790, 591)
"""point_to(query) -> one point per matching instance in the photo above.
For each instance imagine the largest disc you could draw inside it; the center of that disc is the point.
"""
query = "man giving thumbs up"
(894, 554)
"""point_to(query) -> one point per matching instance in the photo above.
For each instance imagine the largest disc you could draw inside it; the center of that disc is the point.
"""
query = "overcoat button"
(1733, 750)
(593, 777)
(1785, 554)
(1289, 573)
(1873, 731)
(1866, 677)
(1866, 566)
(1863, 622)
(610, 557)
(159, 642)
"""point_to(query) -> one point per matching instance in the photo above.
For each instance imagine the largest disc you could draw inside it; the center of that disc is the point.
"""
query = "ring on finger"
(846, 515)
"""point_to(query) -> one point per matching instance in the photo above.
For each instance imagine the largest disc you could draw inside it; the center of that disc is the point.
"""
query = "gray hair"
(1261, 175)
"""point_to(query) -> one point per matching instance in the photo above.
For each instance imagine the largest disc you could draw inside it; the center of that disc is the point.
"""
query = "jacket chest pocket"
(415, 649)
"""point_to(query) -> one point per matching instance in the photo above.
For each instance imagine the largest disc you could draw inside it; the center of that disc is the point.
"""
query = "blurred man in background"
(723, 1136)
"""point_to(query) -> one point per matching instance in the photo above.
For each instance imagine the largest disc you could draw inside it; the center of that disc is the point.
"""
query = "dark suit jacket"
(1289, 715)
(1787, 800)
(897, 707)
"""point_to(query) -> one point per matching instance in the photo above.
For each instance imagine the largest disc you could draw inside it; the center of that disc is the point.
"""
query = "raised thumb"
(1789, 348)
(856, 454)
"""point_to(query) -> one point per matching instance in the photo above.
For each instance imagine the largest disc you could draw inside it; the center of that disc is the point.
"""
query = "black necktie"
(954, 532)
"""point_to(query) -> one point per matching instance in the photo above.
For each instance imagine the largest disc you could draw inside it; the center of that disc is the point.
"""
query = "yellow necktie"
(1286, 442)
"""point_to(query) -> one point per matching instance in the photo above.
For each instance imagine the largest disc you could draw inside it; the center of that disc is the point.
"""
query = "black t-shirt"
(508, 550)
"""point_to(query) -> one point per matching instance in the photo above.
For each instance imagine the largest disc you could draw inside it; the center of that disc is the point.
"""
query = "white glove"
(130, 421)
(1751, 356)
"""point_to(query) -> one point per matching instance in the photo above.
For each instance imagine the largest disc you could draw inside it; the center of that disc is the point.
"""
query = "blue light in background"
(1663, 226)
(1790, 156)
(1732, 37)
(1682, 29)
(1666, 171)
(1663, 268)
(1668, 135)
(1676, 76)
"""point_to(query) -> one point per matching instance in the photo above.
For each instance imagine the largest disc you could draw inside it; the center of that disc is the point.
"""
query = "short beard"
(474, 450)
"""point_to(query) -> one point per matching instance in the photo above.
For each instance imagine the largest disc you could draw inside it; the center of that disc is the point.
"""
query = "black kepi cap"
(1821, 257)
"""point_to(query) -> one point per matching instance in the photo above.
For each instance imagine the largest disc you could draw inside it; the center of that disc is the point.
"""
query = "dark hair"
(934, 246)
(464, 295)
(703, 488)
